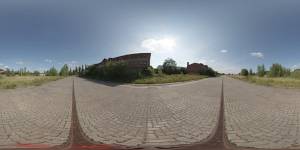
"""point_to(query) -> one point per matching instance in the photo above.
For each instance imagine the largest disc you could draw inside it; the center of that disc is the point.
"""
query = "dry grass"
(24, 81)
(276, 82)
(162, 78)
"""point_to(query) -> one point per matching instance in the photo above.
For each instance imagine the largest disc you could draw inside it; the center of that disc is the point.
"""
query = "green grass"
(286, 82)
(162, 78)
(24, 81)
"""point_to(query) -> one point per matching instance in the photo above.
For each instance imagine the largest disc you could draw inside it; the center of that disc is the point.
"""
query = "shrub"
(182, 70)
(149, 71)
(244, 72)
(208, 72)
(115, 70)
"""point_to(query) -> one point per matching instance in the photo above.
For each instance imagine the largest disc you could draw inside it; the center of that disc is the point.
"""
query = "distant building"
(196, 67)
(2, 71)
(134, 61)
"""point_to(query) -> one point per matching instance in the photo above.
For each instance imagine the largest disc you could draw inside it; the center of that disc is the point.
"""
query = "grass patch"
(24, 81)
(286, 82)
(163, 78)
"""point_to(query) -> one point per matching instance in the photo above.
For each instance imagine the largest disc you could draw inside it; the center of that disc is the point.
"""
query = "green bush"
(244, 72)
(149, 71)
(115, 71)
(208, 72)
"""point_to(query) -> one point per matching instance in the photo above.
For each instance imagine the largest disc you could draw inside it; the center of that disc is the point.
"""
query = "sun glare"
(162, 44)
(168, 43)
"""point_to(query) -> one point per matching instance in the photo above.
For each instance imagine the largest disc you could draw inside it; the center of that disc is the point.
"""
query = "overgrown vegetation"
(121, 72)
(286, 82)
(23, 77)
(11, 82)
(277, 75)
(163, 78)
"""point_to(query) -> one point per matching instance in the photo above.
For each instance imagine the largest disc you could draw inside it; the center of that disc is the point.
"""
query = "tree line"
(64, 71)
(276, 70)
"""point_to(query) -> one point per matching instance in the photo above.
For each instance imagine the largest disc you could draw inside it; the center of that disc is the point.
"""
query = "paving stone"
(150, 115)
(36, 115)
(263, 117)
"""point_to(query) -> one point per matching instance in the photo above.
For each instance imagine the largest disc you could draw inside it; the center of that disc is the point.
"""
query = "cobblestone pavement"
(148, 115)
(37, 116)
(261, 117)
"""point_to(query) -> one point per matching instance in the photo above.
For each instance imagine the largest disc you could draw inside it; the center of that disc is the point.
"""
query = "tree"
(70, 71)
(277, 70)
(244, 72)
(169, 66)
(52, 72)
(64, 71)
(250, 72)
(76, 70)
(261, 70)
(79, 70)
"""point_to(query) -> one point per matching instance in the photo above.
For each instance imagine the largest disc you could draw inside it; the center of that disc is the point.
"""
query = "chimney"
(187, 64)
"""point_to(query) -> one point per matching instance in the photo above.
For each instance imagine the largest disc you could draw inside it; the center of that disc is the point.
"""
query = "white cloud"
(20, 63)
(297, 66)
(48, 60)
(223, 51)
(257, 54)
(6, 67)
(1, 64)
(164, 44)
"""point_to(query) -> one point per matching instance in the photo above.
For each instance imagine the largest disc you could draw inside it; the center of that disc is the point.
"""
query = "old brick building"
(134, 61)
(196, 67)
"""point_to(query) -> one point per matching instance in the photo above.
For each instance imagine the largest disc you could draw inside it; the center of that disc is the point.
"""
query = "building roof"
(127, 56)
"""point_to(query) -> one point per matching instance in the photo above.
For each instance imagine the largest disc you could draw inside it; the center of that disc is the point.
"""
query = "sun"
(168, 43)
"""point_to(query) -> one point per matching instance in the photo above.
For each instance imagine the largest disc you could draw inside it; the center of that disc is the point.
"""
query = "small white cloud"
(295, 67)
(1, 64)
(257, 54)
(223, 51)
(164, 44)
(48, 60)
(20, 63)
(6, 67)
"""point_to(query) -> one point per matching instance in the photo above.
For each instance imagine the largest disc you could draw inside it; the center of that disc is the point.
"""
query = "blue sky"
(227, 35)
